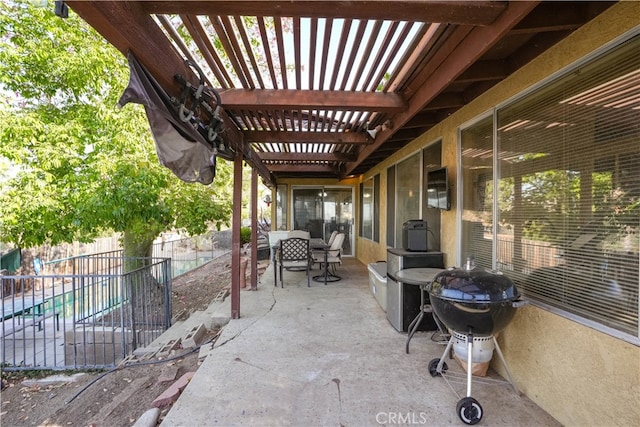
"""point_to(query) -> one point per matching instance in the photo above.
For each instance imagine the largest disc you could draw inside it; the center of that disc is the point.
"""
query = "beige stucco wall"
(580, 376)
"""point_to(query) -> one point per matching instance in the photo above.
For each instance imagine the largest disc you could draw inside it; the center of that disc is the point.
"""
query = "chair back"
(337, 243)
(276, 236)
(334, 233)
(300, 233)
(294, 249)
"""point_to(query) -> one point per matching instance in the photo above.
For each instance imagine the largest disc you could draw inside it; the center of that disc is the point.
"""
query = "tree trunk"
(138, 248)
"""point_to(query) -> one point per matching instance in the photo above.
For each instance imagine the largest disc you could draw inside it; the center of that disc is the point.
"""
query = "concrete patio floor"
(327, 356)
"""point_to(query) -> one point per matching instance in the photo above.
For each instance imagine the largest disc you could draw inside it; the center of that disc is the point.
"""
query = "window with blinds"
(567, 206)
(477, 195)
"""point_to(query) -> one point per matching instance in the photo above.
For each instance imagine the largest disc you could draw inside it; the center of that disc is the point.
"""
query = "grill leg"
(504, 363)
(413, 326)
(469, 362)
(444, 355)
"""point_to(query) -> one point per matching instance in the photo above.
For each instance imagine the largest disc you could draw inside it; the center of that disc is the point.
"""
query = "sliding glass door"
(321, 210)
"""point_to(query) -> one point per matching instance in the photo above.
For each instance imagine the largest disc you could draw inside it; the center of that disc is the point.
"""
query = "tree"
(85, 167)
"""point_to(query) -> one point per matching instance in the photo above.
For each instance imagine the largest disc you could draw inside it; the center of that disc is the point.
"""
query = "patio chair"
(334, 254)
(316, 253)
(294, 254)
(334, 233)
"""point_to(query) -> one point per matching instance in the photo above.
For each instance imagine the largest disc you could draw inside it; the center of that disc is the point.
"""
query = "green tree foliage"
(85, 167)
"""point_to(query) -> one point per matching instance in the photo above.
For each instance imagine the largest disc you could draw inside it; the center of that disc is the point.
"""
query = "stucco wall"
(580, 376)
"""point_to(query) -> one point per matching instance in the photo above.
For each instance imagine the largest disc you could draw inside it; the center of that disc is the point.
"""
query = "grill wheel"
(469, 410)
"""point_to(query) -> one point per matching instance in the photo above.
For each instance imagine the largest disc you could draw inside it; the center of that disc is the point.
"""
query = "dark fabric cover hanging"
(179, 146)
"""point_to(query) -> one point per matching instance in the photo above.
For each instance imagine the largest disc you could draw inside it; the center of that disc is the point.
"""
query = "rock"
(172, 393)
(148, 419)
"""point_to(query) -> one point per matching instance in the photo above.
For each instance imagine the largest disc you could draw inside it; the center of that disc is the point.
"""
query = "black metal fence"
(191, 252)
(92, 318)
(186, 253)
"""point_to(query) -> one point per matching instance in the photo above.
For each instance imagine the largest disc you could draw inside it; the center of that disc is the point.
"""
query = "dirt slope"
(119, 397)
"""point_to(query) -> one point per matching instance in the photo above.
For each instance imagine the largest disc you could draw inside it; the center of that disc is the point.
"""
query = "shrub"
(245, 235)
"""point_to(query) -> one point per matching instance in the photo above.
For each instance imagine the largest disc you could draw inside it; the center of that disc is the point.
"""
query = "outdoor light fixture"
(373, 132)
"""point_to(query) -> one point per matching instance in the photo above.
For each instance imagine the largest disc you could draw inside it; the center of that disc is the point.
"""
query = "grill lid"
(473, 284)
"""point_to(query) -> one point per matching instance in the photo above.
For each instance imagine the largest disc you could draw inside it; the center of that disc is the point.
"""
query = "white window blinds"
(477, 192)
(564, 219)
(569, 190)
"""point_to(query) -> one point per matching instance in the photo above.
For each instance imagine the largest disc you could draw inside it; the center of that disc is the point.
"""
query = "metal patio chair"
(294, 254)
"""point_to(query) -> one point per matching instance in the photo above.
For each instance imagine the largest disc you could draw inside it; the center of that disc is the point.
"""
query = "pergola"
(328, 89)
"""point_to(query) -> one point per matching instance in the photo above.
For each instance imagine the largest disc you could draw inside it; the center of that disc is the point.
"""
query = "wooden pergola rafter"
(290, 71)
(328, 89)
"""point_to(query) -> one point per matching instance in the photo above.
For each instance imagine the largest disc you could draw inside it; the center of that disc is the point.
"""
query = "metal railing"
(192, 252)
(186, 254)
(92, 318)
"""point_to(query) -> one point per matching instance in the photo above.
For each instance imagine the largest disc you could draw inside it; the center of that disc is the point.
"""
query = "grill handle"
(519, 303)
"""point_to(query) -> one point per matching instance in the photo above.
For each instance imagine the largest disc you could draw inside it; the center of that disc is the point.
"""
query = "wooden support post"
(254, 230)
(235, 236)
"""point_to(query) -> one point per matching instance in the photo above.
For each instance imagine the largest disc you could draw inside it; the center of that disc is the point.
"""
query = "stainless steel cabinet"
(403, 300)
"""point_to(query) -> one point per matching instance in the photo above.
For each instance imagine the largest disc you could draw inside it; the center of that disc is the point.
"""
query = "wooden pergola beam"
(484, 70)
(304, 169)
(287, 99)
(306, 137)
(452, 12)
(129, 28)
(472, 47)
(306, 157)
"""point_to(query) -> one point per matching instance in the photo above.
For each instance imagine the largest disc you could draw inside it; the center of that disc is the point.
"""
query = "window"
(391, 205)
(322, 210)
(564, 220)
(431, 159)
(370, 212)
(281, 207)
(408, 189)
(404, 186)
(477, 196)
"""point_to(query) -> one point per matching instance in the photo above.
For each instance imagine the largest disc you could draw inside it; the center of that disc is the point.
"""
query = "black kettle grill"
(474, 304)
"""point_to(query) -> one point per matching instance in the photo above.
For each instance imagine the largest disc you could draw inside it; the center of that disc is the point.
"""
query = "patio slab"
(327, 356)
